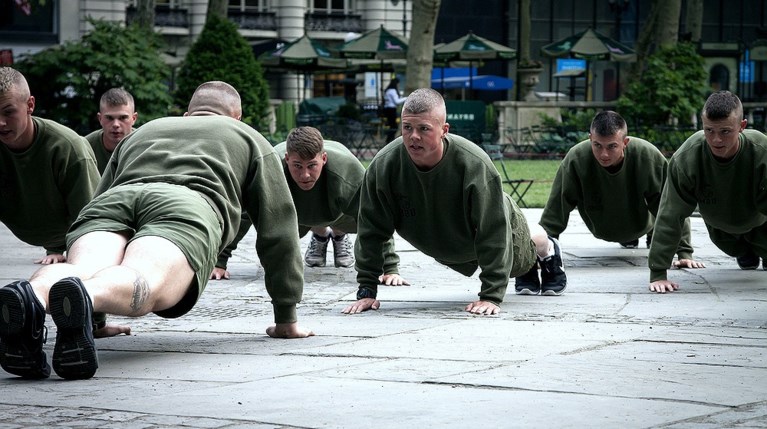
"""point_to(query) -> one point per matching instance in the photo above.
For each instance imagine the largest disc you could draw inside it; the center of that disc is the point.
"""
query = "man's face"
(15, 111)
(117, 122)
(609, 151)
(305, 172)
(722, 135)
(422, 135)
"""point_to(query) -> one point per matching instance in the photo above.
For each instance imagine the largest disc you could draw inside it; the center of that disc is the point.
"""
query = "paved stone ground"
(608, 353)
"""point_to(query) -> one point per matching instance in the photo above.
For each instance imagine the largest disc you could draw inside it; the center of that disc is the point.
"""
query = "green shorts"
(175, 213)
(524, 247)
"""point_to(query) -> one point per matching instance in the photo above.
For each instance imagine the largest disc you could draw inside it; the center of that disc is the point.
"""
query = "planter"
(528, 79)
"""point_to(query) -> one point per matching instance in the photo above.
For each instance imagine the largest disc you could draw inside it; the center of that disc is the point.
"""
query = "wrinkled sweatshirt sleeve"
(375, 227)
(493, 226)
(270, 208)
(562, 200)
(676, 205)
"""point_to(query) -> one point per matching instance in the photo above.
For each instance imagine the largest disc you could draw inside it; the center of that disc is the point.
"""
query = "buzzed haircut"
(721, 104)
(306, 142)
(11, 79)
(216, 97)
(608, 123)
(117, 97)
(423, 100)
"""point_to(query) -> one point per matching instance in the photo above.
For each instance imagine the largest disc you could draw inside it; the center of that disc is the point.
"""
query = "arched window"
(719, 77)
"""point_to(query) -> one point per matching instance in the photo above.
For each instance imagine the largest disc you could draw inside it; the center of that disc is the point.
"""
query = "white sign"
(371, 84)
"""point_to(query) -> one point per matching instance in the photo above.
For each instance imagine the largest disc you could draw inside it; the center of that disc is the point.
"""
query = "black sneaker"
(22, 332)
(748, 262)
(633, 244)
(528, 283)
(553, 277)
(74, 356)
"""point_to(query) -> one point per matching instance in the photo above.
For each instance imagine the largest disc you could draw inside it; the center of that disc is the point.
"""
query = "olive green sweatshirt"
(456, 213)
(235, 169)
(334, 197)
(731, 196)
(101, 153)
(44, 188)
(617, 207)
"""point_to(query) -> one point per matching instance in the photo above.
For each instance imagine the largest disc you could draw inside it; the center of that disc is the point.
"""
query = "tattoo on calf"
(140, 294)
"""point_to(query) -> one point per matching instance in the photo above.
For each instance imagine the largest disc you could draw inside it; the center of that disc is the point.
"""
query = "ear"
(445, 129)
(30, 105)
(626, 140)
(743, 124)
(324, 158)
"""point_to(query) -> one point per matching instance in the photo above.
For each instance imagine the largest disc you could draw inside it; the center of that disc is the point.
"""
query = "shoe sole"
(527, 292)
(552, 293)
(74, 355)
(314, 265)
(14, 358)
(748, 267)
(344, 265)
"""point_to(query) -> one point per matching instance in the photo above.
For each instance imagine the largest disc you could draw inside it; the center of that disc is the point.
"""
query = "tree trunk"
(218, 8)
(145, 14)
(667, 33)
(420, 53)
(694, 19)
(524, 31)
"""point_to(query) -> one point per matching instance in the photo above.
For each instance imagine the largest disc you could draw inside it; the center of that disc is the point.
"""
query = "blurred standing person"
(392, 99)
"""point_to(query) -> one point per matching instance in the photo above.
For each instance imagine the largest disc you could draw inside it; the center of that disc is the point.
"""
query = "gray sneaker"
(343, 254)
(315, 254)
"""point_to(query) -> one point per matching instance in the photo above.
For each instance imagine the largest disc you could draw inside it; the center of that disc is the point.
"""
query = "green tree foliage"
(672, 88)
(221, 53)
(67, 81)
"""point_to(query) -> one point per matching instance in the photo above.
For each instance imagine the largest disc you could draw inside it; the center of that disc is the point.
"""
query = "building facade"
(734, 34)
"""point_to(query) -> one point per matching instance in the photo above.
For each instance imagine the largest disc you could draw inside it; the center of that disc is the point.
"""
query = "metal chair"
(519, 187)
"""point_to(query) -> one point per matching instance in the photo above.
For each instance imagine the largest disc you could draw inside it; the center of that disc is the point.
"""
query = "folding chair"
(519, 187)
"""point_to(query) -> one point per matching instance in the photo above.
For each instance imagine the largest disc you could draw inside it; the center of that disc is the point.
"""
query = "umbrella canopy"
(590, 45)
(302, 55)
(379, 44)
(472, 47)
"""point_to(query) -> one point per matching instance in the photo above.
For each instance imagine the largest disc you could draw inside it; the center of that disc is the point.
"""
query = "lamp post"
(404, 15)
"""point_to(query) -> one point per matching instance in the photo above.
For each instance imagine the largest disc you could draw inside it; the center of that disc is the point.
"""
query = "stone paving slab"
(608, 353)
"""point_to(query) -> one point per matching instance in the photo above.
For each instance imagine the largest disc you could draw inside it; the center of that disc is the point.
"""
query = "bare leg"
(336, 232)
(322, 231)
(88, 254)
(543, 246)
(154, 275)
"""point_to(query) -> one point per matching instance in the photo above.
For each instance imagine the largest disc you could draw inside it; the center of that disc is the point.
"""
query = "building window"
(331, 6)
(249, 5)
(28, 22)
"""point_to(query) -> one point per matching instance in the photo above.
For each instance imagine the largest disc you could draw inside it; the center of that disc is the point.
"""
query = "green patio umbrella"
(590, 45)
(379, 44)
(303, 55)
(472, 48)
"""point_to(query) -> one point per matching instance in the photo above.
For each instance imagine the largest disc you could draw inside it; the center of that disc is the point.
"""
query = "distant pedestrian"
(392, 99)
